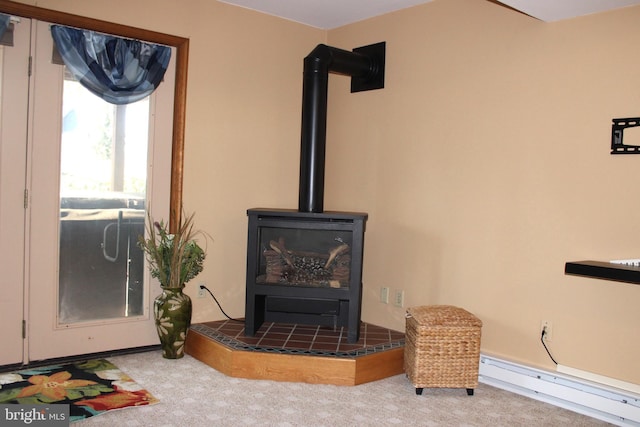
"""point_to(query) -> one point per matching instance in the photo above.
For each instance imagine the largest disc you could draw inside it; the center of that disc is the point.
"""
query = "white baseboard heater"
(611, 404)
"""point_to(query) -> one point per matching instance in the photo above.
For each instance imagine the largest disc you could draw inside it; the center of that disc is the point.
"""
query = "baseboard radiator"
(600, 401)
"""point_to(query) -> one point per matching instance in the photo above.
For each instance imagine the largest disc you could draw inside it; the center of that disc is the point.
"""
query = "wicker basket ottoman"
(442, 347)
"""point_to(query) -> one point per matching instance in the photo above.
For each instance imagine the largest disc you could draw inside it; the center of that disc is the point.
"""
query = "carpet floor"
(194, 394)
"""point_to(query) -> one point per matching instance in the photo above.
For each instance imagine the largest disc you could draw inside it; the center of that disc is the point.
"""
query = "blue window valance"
(118, 70)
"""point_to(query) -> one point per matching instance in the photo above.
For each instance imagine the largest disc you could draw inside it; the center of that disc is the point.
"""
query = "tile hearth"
(295, 352)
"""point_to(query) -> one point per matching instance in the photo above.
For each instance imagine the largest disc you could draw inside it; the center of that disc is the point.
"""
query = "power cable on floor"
(219, 306)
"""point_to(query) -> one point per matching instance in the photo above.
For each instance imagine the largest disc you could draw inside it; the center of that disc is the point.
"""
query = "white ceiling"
(328, 14)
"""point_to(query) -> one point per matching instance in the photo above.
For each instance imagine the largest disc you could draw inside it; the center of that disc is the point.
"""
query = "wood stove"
(305, 266)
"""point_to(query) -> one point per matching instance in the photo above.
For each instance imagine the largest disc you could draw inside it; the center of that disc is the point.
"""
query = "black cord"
(219, 306)
(544, 332)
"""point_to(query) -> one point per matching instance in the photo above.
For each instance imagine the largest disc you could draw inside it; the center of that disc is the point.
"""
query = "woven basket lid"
(443, 315)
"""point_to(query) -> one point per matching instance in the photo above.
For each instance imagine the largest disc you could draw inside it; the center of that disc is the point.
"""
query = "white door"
(83, 292)
(14, 81)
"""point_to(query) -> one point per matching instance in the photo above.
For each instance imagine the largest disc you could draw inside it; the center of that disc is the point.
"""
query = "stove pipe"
(366, 67)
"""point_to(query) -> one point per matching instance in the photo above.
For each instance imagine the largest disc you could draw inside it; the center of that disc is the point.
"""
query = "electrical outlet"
(398, 301)
(547, 327)
(201, 291)
(384, 295)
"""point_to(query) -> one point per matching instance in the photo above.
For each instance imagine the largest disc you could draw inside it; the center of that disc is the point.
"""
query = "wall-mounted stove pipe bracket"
(366, 66)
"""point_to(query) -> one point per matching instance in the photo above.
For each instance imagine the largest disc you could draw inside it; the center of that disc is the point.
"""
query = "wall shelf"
(604, 270)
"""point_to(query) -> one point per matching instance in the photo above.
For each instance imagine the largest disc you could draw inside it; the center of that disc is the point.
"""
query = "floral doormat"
(89, 388)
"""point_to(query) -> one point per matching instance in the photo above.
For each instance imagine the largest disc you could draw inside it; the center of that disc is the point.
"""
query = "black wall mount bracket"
(617, 133)
(375, 78)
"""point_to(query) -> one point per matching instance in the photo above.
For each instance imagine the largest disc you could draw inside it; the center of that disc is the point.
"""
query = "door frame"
(14, 122)
(180, 93)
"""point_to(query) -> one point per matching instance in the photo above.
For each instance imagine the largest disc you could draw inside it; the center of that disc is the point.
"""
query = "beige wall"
(487, 167)
(483, 164)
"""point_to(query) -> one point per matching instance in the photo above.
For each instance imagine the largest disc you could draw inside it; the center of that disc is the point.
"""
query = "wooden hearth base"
(255, 363)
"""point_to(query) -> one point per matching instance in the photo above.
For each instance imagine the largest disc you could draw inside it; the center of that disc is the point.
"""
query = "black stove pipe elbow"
(317, 66)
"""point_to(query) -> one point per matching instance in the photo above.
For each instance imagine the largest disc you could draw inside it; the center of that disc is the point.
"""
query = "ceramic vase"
(172, 310)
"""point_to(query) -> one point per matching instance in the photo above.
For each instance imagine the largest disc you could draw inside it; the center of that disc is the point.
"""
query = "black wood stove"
(305, 266)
